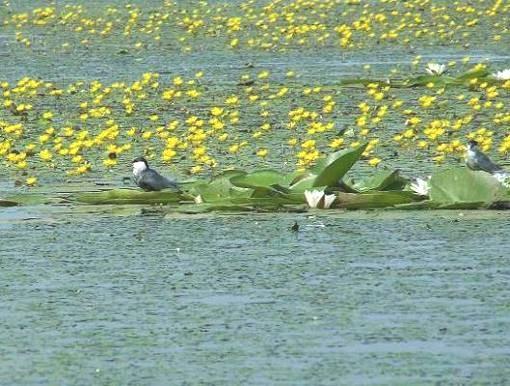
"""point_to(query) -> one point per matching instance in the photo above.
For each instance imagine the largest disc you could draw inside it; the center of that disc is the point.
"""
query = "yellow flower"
(110, 162)
(22, 164)
(45, 155)
(196, 169)
(233, 149)
(31, 181)
(168, 154)
(232, 100)
(216, 111)
(309, 144)
(336, 143)
(263, 74)
(374, 161)
(178, 81)
(47, 115)
(426, 101)
(193, 93)
(262, 153)
(292, 141)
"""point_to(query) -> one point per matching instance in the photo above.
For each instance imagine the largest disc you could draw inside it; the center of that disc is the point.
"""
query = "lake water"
(365, 297)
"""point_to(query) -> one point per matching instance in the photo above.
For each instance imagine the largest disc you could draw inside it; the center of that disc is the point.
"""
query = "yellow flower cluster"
(196, 122)
(270, 25)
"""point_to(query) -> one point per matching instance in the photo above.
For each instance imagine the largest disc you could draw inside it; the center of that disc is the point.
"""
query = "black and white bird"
(477, 160)
(150, 180)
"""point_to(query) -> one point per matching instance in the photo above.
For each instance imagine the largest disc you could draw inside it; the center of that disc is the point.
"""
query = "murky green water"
(365, 298)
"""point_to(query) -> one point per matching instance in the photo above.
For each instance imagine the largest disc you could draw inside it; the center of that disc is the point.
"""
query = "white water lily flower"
(502, 75)
(198, 199)
(318, 199)
(435, 69)
(313, 197)
(420, 186)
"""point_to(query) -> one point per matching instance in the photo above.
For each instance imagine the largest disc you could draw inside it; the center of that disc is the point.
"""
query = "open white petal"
(313, 197)
(435, 68)
(328, 200)
(420, 186)
(502, 75)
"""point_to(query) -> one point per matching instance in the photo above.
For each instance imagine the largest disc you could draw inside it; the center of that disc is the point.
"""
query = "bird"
(477, 160)
(150, 180)
(295, 227)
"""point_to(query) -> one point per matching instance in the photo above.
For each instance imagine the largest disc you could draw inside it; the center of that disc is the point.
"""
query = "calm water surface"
(366, 298)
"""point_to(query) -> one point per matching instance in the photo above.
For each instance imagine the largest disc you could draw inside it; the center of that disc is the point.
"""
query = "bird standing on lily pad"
(477, 160)
(150, 180)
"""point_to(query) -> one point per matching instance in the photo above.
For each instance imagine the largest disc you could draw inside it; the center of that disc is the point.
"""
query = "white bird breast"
(470, 153)
(139, 167)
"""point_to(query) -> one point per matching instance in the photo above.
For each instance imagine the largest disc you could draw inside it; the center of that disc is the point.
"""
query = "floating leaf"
(32, 198)
(374, 199)
(425, 204)
(127, 197)
(304, 183)
(7, 203)
(461, 186)
(261, 178)
(221, 188)
(330, 170)
(423, 80)
(473, 73)
(382, 180)
(234, 208)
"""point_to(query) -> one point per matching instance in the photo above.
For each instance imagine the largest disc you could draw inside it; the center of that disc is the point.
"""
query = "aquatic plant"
(239, 190)
(502, 75)
(436, 69)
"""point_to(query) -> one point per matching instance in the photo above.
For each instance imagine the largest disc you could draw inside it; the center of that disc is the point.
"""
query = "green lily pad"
(382, 180)
(466, 188)
(472, 74)
(304, 183)
(127, 197)
(221, 188)
(374, 199)
(330, 170)
(261, 178)
(32, 198)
